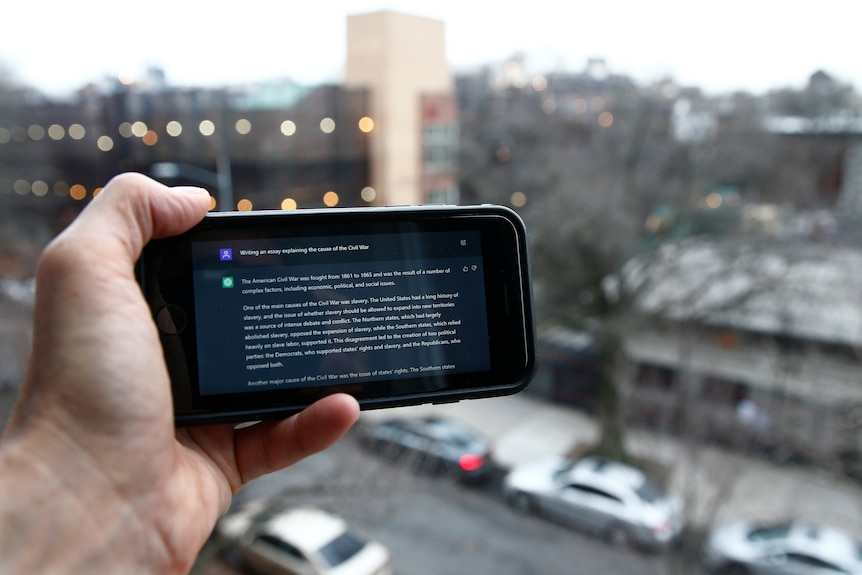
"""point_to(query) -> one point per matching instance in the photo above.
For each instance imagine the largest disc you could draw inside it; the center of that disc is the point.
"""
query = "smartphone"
(262, 313)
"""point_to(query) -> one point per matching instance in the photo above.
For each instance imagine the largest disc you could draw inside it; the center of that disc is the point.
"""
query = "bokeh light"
(61, 189)
(288, 128)
(540, 83)
(212, 203)
(5, 135)
(330, 199)
(366, 124)
(77, 132)
(139, 129)
(174, 128)
(518, 199)
(150, 138)
(597, 103)
(56, 132)
(504, 154)
(327, 125)
(78, 192)
(125, 130)
(606, 119)
(21, 187)
(105, 143)
(368, 194)
(39, 188)
(36, 132)
(288, 204)
(244, 205)
(243, 126)
(207, 128)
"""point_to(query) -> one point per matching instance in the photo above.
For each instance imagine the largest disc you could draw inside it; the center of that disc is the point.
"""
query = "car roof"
(607, 473)
(307, 528)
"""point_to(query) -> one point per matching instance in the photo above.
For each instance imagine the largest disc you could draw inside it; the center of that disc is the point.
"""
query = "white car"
(789, 548)
(611, 499)
(278, 540)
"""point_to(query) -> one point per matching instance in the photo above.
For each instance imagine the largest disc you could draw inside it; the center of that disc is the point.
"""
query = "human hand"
(93, 475)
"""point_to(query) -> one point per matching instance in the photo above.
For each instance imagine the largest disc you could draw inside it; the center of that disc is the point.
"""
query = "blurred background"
(692, 185)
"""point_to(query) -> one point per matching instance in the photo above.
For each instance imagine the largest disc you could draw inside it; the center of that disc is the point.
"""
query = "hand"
(94, 478)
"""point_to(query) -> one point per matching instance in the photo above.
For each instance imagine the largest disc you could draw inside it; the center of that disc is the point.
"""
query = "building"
(401, 60)
(388, 135)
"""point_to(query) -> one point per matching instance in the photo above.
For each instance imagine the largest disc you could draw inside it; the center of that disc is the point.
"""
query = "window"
(341, 548)
(280, 545)
(440, 145)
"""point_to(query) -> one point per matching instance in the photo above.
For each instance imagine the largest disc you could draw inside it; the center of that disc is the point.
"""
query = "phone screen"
(289, 312)
(261, 314)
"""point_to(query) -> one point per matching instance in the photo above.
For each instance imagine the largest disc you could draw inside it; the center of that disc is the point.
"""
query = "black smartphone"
(262, 313)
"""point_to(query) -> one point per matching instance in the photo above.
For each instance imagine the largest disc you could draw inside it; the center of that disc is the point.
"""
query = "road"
(436, 526)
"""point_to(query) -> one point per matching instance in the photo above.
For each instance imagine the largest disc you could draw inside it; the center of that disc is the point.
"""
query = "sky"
(58, 46)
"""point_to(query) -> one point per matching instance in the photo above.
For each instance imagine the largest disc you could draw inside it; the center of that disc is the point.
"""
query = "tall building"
(401, 60)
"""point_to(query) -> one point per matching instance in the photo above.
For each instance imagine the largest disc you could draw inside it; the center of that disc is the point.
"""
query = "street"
(436, 526)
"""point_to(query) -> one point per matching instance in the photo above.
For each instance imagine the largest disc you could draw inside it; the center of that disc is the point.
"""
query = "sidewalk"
(716, 483)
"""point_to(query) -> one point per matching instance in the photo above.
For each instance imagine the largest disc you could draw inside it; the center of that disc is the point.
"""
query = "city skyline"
(747, 46)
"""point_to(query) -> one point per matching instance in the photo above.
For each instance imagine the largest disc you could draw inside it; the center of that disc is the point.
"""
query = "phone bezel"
(508, 293)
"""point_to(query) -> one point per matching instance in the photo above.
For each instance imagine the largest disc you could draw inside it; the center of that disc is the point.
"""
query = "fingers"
(132, 209)
(270, 446)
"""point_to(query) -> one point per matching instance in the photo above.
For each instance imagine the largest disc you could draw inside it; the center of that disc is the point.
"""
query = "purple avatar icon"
(225, 254)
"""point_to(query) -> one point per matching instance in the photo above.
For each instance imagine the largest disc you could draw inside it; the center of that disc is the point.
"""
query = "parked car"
(786, 548)
(432, 444)
(598, 495)
(280, 540)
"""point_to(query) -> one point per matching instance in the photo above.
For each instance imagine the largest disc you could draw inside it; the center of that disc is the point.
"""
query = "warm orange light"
(97, 191)
(244, 205)
(78, 192)
(366, 124)
(212, 203)
(714, 200)
(150, 138)
(504, 154)
(288, 204)
(330, 199)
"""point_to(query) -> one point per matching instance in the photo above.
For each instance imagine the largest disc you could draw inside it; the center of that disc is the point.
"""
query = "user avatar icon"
(226, 254)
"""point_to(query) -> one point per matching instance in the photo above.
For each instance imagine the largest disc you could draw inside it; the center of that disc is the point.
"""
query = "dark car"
(431, 444)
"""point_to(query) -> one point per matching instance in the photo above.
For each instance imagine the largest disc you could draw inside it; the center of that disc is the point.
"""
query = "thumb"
(133, 209)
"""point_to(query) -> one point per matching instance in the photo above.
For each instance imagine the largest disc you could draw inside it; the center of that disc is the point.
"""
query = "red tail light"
(470, 462)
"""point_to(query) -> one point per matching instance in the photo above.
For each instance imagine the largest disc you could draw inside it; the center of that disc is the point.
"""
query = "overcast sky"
(58, 45)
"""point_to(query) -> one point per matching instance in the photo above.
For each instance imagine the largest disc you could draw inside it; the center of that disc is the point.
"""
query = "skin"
(94, 477)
